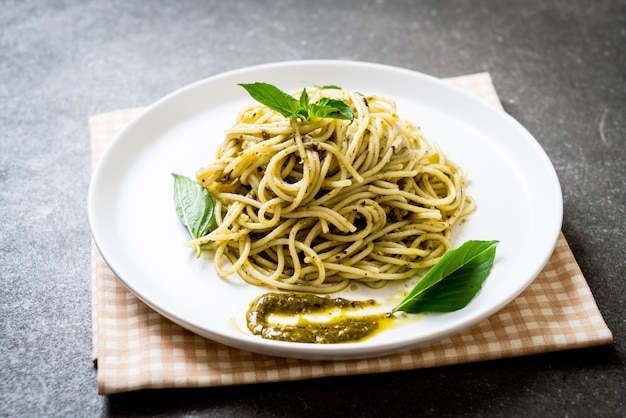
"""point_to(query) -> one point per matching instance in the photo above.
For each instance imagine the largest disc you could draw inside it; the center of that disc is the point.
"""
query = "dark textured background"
(559, 68)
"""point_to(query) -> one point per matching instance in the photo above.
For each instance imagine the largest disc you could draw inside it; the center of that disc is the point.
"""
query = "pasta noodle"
(311, 205)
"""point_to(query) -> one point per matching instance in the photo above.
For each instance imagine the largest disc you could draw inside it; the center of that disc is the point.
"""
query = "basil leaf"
(274, 98)
(303, 112)
(332, 108)
(290, 107)
(194, 206)
(454, 281)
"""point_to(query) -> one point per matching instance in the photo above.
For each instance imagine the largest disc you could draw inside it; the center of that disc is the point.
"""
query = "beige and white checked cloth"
(137, 348)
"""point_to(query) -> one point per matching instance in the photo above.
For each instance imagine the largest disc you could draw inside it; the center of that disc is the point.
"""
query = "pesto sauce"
(338, 329)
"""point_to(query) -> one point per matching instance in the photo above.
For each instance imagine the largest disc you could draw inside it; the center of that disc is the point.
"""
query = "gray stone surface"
(559, 67)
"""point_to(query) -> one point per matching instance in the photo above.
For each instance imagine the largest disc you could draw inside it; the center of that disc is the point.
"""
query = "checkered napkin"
(137, 348)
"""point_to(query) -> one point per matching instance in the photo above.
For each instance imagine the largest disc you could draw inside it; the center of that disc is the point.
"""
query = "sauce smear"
(290, 317)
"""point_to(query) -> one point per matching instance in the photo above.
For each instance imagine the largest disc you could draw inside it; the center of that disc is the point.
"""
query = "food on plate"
(312, 193)
(293, 317)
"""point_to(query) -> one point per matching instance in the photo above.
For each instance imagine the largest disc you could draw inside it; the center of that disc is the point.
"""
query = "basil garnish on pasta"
(194, 206)
(288, 106)
(454, 281)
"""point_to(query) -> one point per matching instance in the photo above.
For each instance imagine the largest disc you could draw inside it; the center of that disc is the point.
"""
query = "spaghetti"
(311, 205)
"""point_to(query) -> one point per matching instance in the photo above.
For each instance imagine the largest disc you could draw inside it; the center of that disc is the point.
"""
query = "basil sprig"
(290, 107)
(194, 206)
(454, 281)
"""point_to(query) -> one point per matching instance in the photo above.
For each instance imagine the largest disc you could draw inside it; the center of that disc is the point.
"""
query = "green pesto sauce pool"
(340, 324)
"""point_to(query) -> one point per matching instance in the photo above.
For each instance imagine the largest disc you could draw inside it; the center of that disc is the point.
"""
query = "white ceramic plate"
(136, 228)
